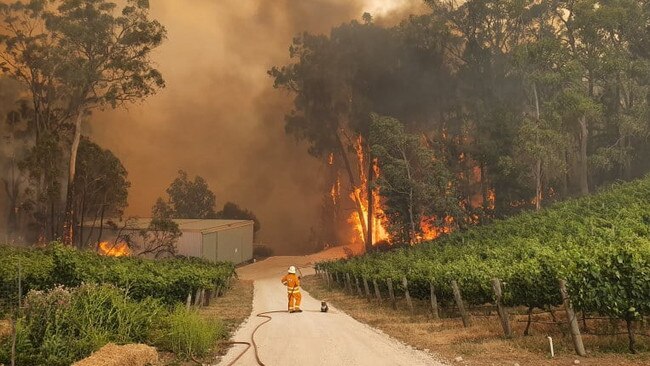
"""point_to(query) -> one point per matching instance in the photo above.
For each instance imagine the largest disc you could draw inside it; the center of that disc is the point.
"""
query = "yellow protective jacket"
(292, 282)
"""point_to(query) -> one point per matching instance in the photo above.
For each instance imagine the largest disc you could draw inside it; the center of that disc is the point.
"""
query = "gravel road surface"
(312, 338)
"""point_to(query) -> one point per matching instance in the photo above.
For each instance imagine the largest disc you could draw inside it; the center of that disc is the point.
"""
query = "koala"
(323, 307)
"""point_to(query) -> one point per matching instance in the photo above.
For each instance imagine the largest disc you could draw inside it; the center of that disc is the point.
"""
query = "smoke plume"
(219, 116)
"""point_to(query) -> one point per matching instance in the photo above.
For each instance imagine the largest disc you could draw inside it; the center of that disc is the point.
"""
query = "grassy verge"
(229, 310)
(482, 343)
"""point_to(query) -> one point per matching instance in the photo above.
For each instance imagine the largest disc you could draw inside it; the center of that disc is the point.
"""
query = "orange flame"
(430, 231)
(361, 193)
(335, 192)
(114, 250)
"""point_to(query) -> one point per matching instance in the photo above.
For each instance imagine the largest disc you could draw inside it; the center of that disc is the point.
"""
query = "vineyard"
(598, 246)
(63, 304)
(168, 280)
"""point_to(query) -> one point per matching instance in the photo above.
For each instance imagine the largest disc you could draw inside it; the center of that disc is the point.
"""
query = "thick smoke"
(219, 116)
(9, 95)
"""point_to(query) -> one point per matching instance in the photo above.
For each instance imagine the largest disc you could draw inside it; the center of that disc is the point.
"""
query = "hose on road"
(252, 343)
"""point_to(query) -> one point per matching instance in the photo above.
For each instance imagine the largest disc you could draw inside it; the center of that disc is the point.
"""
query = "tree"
(232, 211)
(340, 79)
(414, 183)
(102, 187)
(76, 56)
(13, 147)
(191, 199)
(161, 236)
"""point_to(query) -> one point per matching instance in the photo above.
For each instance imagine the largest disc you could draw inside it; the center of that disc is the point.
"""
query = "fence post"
(407, 294)
(201, 297)
(503, 312)
(327, 279)
(377, 292)
(356, 281)
(336, 276)
(434, 301)
(208, 296)
(197, 294)
(573, 322)
(188, 302)
(389, 282)
(459, 302)
(365, 287)
(348, 284)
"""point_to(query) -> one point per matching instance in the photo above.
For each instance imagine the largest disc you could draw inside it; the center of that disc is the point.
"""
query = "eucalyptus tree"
(77, 56)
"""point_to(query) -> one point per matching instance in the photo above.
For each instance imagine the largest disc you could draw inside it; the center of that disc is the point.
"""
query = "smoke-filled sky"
(219, 116)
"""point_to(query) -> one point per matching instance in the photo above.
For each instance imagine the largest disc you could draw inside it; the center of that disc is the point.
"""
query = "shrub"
(188, 334)
(63, 325)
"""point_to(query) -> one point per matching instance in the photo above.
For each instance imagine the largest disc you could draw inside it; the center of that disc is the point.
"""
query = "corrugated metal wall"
(190, 244)
(229, 244)
(236, 244)
(210, 246)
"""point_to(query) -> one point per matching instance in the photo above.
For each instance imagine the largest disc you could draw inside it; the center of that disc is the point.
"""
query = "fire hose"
(252, 343)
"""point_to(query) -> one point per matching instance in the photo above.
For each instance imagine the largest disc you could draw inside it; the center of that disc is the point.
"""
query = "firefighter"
(292, 281)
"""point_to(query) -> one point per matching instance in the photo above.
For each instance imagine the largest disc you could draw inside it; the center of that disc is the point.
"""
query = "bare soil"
(483, 343)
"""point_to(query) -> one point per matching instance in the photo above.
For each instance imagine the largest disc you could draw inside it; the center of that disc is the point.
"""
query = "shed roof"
(186, 225)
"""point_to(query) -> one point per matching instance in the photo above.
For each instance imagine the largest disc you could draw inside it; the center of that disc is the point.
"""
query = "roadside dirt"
(482, 344)
(312, 337)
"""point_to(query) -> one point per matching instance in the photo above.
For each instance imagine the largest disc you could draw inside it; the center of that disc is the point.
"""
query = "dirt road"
(312, 338)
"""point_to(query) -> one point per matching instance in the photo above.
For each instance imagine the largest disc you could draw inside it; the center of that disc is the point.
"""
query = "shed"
(214, 240)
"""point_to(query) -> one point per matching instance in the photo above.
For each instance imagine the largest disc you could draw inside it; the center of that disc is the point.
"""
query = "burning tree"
(417, 187)
(338, 81)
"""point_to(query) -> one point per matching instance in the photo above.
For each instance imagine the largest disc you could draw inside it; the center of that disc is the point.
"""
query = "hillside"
(600, 244)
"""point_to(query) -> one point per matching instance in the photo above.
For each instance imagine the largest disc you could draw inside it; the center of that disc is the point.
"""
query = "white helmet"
(292, 270)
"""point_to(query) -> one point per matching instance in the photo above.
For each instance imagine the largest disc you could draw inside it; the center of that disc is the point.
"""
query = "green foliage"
(413, 183)
(600, 244)
(160, 237)
(188, 334)
(169, 280)
(191, 199)
(61, 326)
(72, 57)
(102, 185)
(232, 211)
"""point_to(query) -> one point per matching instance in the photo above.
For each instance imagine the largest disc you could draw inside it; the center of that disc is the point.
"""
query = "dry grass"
(482, 343)
(126, 355)
(234, 306)
(5, 328)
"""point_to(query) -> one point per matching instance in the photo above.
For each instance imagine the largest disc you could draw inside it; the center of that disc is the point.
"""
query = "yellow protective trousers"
(294, 300)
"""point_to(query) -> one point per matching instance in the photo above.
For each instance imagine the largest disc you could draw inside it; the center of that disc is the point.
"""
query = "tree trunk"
(357, 198)
(583, 172)
(538, 184)
(82, 210)
(538, 162)
(411, 215)
(68, 223)
(371, 177)
(12, 189)
(630, 334)
(101, 228)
